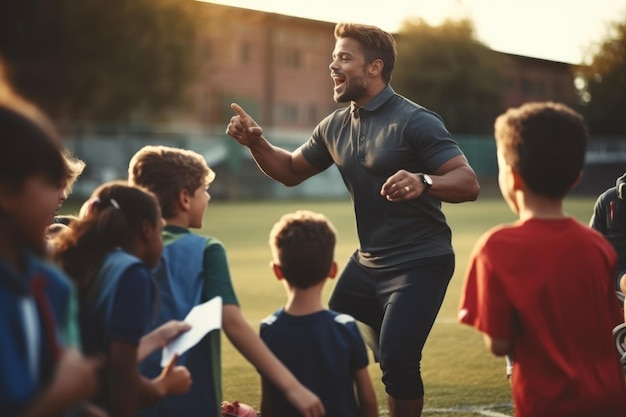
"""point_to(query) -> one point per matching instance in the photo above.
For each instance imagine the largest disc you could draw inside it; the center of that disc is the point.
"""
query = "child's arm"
(75, 379)
(250, 345)
(160, 337)
(123, 379)
(267, 406)
(365, 393)
(498, 347)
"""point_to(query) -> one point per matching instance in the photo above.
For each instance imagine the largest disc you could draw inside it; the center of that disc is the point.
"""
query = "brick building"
(535, 79)
(276, 67)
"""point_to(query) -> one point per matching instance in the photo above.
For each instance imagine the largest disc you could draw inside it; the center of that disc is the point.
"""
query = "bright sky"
(559, 30)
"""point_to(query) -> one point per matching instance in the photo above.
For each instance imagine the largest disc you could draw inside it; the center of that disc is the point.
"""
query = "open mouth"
(338, 80)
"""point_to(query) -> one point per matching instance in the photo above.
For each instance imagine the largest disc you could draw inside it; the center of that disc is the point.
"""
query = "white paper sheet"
(203, 318)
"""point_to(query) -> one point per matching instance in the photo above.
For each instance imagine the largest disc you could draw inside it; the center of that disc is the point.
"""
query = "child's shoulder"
(173, 234)
(117, 262)
(53, 274)
(54, 279)
(56, 284)
(271, 319)
(499, 232)
(341, 318)
(537, 231)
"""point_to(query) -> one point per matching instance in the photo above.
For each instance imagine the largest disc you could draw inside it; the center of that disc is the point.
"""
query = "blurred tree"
(603, 85)
(91, 60)
(447, 70)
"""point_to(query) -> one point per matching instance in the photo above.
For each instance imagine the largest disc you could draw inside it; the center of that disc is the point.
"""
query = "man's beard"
(354, 89)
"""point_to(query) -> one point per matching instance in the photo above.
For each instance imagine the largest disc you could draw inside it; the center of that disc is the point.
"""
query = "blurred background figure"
(41, 371)
(609, 218)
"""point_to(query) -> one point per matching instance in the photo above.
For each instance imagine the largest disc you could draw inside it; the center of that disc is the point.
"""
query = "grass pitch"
(461, 378)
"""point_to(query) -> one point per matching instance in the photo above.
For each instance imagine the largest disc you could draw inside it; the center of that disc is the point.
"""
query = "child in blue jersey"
(323, 348)
(41, 371)
(109, 252)
(194, 269)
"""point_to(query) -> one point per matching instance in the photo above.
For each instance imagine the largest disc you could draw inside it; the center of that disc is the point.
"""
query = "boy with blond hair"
(323, 348)
(194, 269)
(541, 289)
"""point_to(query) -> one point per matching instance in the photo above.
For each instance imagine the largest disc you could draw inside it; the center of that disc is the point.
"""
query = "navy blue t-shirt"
(121, 313)
(132, 308)
(322, 350)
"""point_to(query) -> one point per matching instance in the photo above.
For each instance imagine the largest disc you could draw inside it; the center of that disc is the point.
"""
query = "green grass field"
(461, 378)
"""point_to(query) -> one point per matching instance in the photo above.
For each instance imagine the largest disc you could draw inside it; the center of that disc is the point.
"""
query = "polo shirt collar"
(377, 101)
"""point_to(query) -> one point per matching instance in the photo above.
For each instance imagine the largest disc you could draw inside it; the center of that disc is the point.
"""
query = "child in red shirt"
(540, 289)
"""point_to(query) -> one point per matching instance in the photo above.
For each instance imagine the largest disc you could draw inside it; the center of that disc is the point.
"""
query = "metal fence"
(107, 153)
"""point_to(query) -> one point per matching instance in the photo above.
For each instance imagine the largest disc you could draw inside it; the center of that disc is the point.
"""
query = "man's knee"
(401, 374)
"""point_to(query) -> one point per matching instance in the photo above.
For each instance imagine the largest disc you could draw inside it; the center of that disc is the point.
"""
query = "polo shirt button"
(362, 138)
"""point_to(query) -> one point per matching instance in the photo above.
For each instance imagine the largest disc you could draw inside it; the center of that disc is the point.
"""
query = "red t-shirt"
(547, 285)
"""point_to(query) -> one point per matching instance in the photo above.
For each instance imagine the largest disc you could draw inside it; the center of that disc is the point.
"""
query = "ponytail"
(110, 219)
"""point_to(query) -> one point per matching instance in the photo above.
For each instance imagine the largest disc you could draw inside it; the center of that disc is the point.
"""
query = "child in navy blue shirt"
(109, 252)
(322, 348)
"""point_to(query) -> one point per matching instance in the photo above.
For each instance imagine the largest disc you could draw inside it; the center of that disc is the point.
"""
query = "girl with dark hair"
(109, 252)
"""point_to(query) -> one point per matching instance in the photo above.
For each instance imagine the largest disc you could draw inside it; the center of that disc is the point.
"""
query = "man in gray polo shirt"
(399, 163)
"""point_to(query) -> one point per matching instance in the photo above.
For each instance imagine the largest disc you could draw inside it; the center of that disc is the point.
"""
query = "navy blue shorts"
(400, 304)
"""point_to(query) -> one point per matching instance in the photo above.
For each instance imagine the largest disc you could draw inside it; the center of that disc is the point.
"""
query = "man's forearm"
(276, 163)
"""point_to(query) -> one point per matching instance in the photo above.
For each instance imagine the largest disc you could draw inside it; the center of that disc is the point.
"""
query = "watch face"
(427, 180)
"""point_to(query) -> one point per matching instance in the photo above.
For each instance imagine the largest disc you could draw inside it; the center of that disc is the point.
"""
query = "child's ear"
(518, 181)
(184, 200)
(332, 272)
(147, 230)
(277, 271)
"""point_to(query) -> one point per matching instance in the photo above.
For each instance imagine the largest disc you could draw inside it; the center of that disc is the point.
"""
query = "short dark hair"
(30, 143)
(546, 143)
(29, 148)
(303, 245)
(375, 44)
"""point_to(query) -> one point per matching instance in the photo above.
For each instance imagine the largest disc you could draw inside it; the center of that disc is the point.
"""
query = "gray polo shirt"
(388, 134)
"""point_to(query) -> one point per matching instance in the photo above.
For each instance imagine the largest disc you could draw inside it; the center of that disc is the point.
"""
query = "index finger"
(239, 110)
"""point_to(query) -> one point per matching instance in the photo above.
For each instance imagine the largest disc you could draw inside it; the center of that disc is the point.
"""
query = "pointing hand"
(243, 128)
